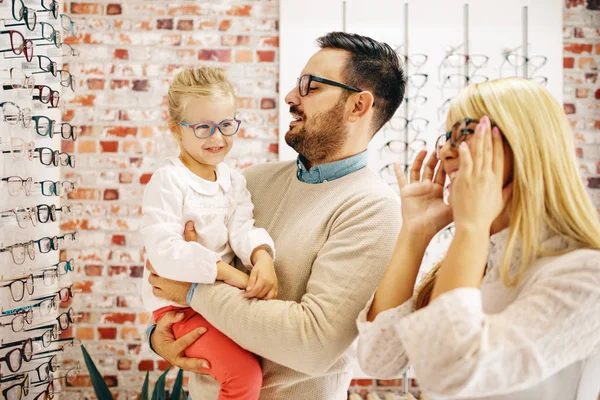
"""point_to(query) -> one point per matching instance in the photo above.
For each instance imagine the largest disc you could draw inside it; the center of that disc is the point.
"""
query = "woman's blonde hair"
(547, 188)
(196, 83)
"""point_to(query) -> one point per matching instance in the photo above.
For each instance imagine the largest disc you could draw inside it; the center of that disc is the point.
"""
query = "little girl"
(198, 186)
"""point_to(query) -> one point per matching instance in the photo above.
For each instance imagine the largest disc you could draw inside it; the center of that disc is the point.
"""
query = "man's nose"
(293, 97)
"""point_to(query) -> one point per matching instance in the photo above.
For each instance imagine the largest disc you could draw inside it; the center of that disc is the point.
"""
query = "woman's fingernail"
(189, 226)
(496, 131)
(179, 315)
(463, 146)
(202, 330)
(204, 364)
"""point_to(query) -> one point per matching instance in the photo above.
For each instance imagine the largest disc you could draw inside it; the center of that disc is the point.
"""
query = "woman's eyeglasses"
(459, 132)
(19, 45)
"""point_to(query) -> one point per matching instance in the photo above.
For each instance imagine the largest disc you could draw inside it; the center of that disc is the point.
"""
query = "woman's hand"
(424, 212)
(477, 193)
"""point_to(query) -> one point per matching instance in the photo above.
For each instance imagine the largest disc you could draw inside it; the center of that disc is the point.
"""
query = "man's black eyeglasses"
(305, 80)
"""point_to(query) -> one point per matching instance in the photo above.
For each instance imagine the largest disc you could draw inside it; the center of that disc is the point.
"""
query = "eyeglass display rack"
(35, 278)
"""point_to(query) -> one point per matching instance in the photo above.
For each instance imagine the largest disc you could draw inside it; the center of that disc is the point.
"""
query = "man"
(334, 224)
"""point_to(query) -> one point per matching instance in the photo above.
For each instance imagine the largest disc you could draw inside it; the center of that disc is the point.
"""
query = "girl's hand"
(477, 194)
(424, 212)
(263, 280)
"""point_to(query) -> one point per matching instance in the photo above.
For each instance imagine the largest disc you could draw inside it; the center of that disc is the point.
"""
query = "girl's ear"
(175, 129)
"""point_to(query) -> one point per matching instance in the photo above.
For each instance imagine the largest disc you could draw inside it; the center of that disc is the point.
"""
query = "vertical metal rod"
(406, 64)
(405, 382)
(525, 44)
(466, 38)
(344, 16)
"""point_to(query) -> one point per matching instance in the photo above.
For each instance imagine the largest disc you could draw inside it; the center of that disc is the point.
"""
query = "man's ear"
(360, 104)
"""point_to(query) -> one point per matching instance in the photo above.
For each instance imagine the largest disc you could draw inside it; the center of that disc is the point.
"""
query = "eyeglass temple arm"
(37, 328)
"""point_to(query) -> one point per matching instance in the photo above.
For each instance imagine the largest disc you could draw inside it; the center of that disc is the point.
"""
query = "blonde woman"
(198, 186)
(513, 310)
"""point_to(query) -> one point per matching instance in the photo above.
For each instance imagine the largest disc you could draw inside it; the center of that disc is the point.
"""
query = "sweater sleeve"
(311, 335)
(162, 231)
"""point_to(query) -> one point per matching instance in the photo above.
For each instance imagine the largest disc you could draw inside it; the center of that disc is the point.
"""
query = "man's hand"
(164, 344)
(168, 289)
(263, 280)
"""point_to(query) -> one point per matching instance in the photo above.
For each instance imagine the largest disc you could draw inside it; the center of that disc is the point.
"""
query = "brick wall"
(581, 85)
(129, 52)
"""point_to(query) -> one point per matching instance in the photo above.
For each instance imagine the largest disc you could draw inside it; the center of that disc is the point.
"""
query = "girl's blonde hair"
(547, 188)
(195, 83)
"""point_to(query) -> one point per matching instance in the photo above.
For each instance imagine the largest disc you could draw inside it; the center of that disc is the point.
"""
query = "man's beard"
(320, 137)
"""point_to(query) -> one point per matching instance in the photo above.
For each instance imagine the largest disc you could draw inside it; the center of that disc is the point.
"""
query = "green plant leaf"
(144, 395)
(177, 392)
(100, 387)
(159, 389)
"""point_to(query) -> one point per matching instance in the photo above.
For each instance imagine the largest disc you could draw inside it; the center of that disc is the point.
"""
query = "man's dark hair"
(372, 66)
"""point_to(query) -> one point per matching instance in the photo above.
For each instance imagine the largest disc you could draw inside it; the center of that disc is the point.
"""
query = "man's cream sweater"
(333, 241)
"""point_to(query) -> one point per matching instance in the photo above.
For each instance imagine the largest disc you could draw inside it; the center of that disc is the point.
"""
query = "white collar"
(204, 186)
